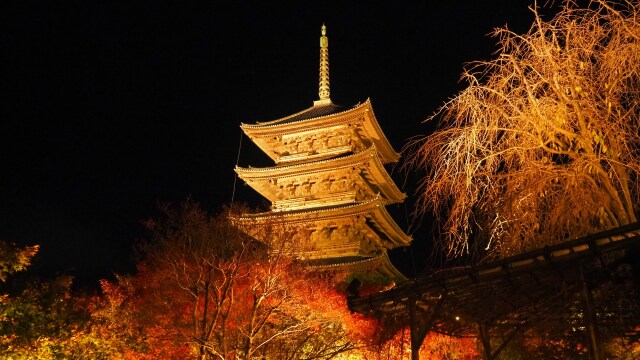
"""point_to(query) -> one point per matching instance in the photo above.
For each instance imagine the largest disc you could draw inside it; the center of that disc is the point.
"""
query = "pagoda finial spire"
(324, 90)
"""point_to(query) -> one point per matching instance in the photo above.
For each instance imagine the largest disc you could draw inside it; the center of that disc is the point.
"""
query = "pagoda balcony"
(315, 201)
(329, 250)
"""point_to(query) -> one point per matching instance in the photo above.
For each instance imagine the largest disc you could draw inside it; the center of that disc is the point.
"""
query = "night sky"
(109, 108)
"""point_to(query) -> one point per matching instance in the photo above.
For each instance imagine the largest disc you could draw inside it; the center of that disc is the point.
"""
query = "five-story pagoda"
(329, 184)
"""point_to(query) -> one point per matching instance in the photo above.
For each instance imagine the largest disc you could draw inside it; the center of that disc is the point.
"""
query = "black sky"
(110, 107)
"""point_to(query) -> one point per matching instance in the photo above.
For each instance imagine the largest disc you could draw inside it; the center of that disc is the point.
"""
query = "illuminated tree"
(543, 143)
(31, 314)
(434, 347)
(13, 258)
(205, 290)
(44, 320)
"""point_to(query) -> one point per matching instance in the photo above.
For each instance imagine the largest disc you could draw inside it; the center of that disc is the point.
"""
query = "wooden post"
(421, 323)
(486, 341)
(413, 331)
(505, 342)
(590, 318)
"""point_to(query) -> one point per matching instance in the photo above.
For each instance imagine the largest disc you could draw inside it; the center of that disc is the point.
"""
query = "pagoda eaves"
(389, 234)
(304, 137)
(347, 179)
(380, 263)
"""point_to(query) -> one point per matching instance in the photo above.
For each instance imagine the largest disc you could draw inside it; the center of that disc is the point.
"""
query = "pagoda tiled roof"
(266, 134)
(338, 261)
(310, 113)
(373, 209)
(386, 184)
(380, 263)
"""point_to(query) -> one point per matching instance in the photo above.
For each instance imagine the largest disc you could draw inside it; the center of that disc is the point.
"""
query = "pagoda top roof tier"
(321, 131)
(308, 182)
(373, 210)
(313, 112)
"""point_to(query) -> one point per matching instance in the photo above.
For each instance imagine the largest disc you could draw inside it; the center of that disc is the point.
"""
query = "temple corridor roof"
(544, 286)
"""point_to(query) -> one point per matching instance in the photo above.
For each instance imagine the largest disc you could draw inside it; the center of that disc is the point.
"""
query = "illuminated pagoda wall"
(329, 183)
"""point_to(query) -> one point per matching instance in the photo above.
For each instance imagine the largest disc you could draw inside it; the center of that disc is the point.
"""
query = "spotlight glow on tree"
(543, 144)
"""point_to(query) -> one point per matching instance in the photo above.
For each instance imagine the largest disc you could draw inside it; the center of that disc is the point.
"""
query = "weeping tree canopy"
(543, 145)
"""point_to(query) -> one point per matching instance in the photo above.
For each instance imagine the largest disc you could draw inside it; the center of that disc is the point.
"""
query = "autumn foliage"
(205, 290)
